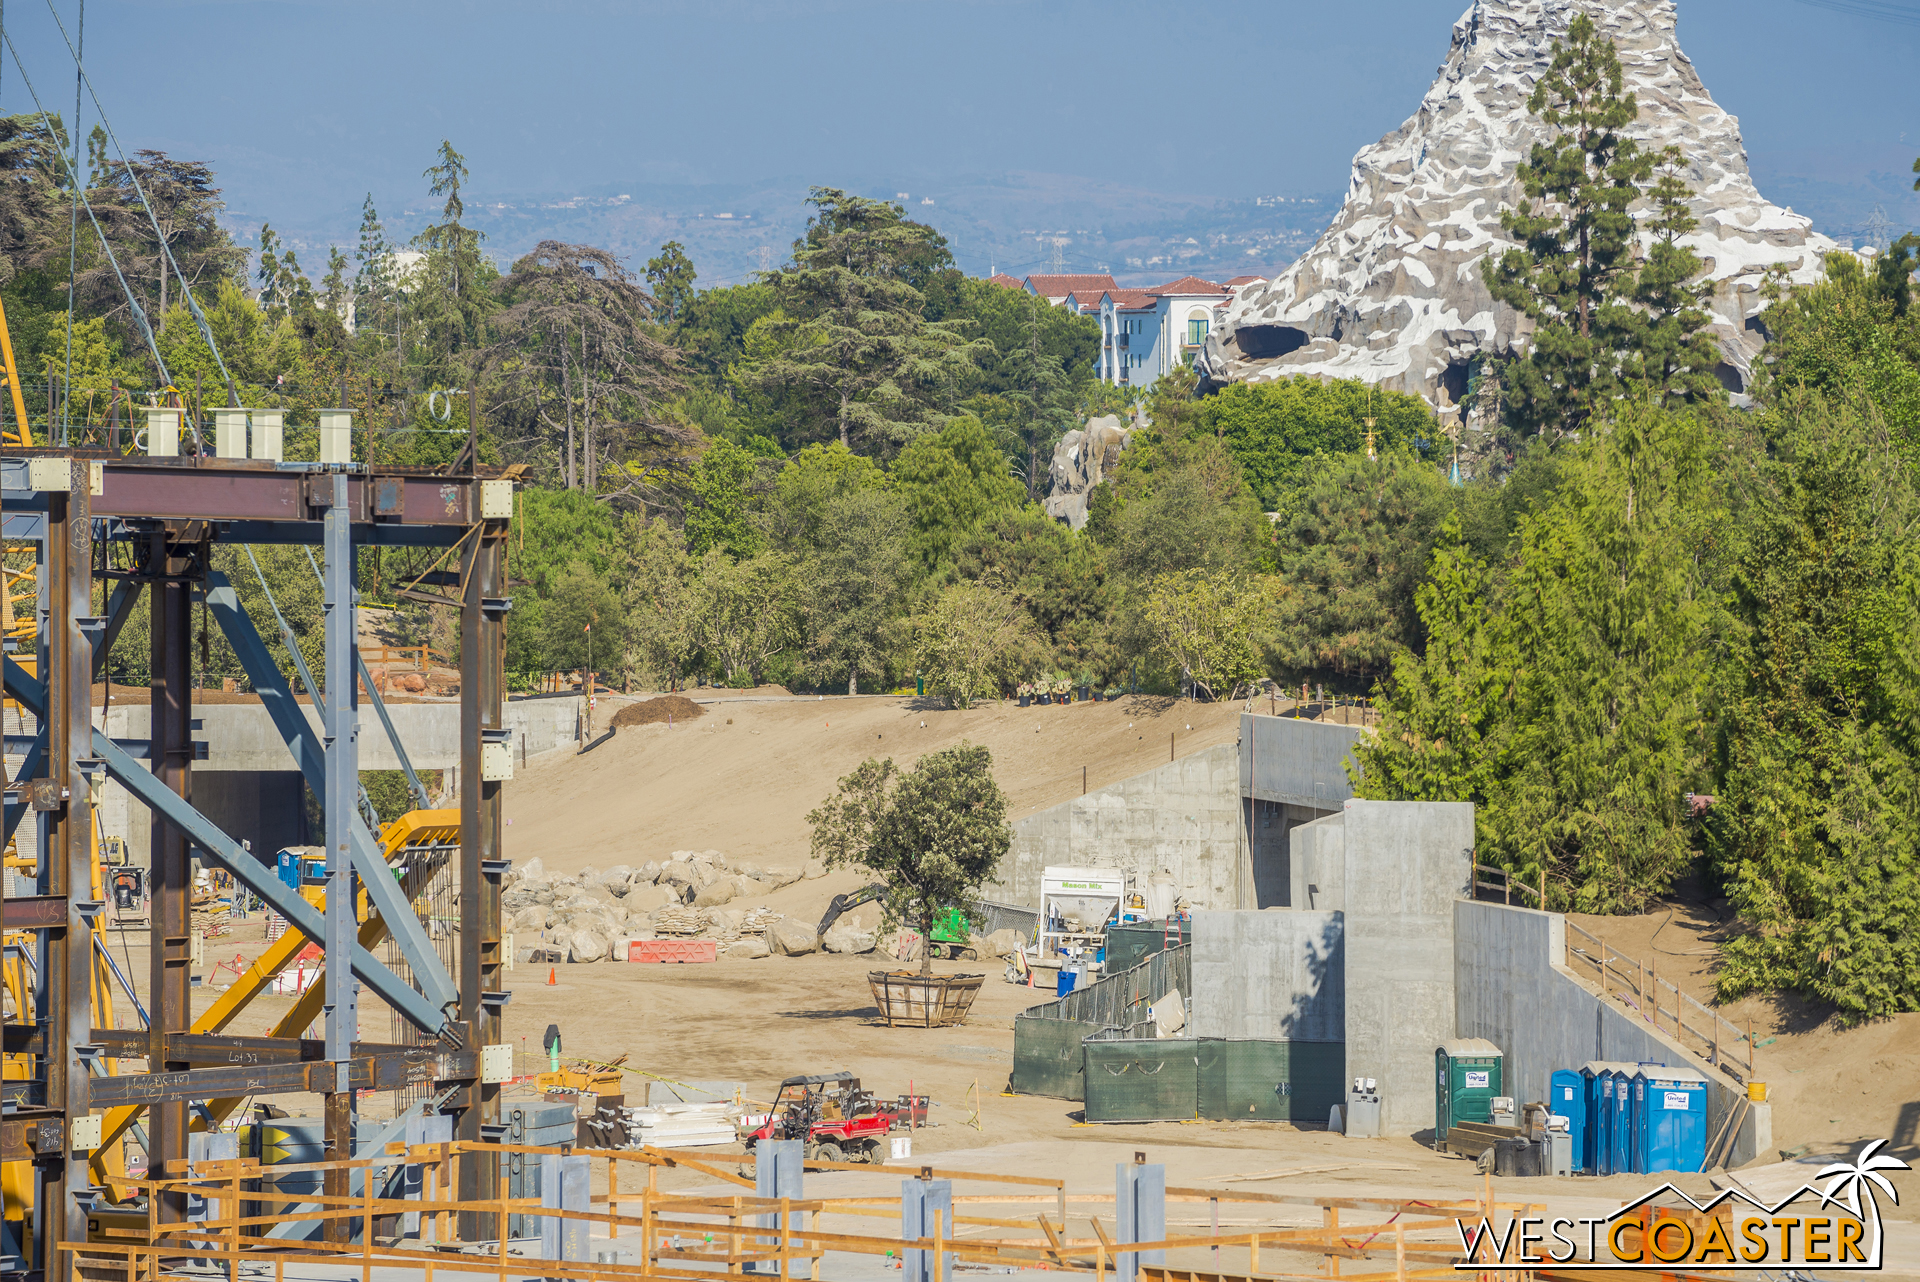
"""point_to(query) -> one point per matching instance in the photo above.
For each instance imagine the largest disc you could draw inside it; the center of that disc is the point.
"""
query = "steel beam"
(309, 755)
(364, 535)
(382, 1071)
(120, 605)
(340, 732)
(170, 874)
(67, 870)
(482, 617)
(414, 787)
(229, 854)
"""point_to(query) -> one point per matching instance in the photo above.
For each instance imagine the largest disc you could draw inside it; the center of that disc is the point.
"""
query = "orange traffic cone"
(551, 981)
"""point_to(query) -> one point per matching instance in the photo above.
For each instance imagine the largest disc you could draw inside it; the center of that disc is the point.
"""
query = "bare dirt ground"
(742, 778)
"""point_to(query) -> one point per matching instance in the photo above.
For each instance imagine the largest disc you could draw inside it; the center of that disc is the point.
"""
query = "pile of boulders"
(592, 915)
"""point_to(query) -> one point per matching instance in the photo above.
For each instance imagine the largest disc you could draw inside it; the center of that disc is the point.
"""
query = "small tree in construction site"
(932, 835)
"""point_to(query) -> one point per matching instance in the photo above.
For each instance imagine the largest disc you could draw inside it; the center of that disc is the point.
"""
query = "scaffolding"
(128, 526)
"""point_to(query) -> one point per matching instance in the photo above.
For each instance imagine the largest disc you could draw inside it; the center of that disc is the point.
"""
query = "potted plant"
(1063, 691)
(1086, 686)
(1025, 691)
(930, 835)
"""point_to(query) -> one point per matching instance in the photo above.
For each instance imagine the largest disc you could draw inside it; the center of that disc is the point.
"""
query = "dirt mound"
(655, 711)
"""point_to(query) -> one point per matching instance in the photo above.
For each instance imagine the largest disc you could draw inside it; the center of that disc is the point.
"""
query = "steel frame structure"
(70, 504)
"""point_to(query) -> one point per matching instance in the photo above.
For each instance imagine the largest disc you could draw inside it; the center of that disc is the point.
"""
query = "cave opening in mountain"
(1264, 342)
(1455, 379)
(1730, 378)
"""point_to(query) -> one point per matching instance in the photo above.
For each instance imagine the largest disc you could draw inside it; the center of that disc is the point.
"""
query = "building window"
(1196, 331)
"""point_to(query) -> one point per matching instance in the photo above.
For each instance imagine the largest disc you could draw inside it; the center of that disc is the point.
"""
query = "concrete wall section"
(1317, 867)
(1294, 761)
(1404, 864)
(1514, 990)
(241, 736)
(1269, 975)
(1184, 817)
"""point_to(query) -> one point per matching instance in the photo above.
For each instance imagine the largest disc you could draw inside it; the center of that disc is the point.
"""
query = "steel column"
(340, 732)
(169, 567)
(481, 680)
(65, 1016)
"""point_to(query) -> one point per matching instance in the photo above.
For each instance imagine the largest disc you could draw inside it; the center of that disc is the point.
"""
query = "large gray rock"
(748, 949)
(1081, 461)
(648, 896)
(616, 880)
(785, 875)
(532, 870)
(716, 892)
(849, 935)
(1392, 292)
(792, 938)
(677, 873)
(530, 920)
(647, 872)
(586, 943)
(1001, 943)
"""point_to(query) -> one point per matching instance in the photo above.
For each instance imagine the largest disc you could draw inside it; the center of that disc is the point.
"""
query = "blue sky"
(304, 107)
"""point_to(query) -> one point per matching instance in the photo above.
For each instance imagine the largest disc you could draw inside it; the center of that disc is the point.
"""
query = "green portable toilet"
(1466, 1077)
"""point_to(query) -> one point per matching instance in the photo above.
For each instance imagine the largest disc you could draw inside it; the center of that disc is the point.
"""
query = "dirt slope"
(742, 778)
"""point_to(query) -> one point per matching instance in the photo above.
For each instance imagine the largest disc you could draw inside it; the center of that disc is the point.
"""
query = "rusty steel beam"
(36, 912)
(170, 944)
(391, 1070)
(245, 490)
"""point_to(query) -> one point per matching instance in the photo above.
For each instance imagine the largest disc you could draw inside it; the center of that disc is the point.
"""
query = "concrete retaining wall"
(1404, 863)
(1184, 817)
(1296, 762)
(1514, 990)
(249, 787)
(1269, 975)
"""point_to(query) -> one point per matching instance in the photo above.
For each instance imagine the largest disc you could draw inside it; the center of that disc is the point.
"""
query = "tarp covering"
(1047, 1059)
(1140, 1080)
(1270, 1080)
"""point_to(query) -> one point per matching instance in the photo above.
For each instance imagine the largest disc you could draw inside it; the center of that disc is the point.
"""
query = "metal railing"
(700, 1236)
(1637, 985)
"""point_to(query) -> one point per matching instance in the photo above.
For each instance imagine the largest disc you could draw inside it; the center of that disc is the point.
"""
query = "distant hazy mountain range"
(1011, 222)
(1015, 223)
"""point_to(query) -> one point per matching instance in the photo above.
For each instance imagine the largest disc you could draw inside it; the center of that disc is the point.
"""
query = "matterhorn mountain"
(1392, 294)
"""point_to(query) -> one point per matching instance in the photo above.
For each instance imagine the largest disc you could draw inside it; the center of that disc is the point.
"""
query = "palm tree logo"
(1850, 1179)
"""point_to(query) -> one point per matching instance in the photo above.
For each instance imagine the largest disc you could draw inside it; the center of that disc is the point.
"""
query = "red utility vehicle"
(838, 1121)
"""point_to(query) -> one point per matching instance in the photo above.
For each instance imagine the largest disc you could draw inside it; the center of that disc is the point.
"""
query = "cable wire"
(73, 241)
(166, 248)
(139, 313)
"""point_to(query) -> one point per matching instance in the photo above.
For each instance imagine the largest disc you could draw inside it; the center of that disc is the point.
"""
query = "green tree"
(655, 578)
(1670, 357)
(1352, 550)
(952, 480)
(720, 517)
(1209, 627)
(670, 278)
(451, 292)
(1813, 831)
(1276, 428)
(1060, 577)
(858, 346)
(1577, 240)
(740, 613)
(575, 334)
(1844, 339)
(1446, 716)
(794, 512)
(854, 584)
(970, 641)
(583, 618)
(932, 835)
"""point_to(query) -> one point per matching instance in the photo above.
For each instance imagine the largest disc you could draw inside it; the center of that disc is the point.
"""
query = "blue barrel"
(1670, 1122)
(1567, 1096)
(289, 869)
(1064, 982)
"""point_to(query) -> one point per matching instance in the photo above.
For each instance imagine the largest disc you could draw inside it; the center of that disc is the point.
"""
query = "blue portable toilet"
(1636, 1109)
(1597, 1151)
(1670, 1119)
(1619, 1081)
(1567, 1096)
(289, 869)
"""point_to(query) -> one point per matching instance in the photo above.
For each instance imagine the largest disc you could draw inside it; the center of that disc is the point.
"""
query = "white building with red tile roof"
(1004, 281)
(1148, 333)
(1056, 288)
